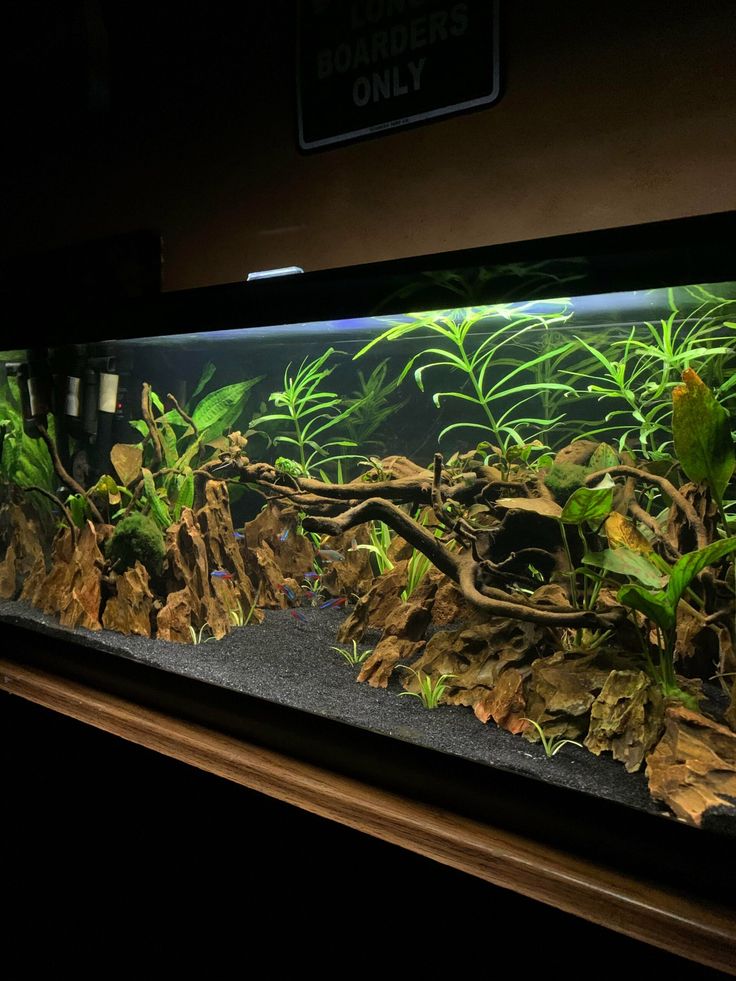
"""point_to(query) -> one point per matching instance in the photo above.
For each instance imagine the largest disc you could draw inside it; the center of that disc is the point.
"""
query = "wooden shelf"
(701, 932)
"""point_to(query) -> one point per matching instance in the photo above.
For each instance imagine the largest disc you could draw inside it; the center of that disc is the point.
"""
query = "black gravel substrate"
(290, 663)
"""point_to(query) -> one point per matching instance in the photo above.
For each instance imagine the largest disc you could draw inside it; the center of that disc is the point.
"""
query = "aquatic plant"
(24, 461)
(198, 636)
(659, 606)
(160, 468)
(380, 542)
(638, 375)
(311, 412)
(353, 656)
(238, 617)
(476, 356)
(372, 405)
(136, 538)
(551, 744)
(430, 690)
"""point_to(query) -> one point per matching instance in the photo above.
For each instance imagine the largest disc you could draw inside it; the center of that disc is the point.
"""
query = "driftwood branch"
(59, 504)
(64, 476)
(638, 512)
(149, 421)
(691, 515)
(187, 419)
(462, 569)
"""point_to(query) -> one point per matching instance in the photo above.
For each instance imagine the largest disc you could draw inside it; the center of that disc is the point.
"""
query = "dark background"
(181, 118)
(112, 847)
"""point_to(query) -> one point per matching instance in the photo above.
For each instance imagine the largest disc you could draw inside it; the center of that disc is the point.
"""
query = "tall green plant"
(310, 412)
(472, 346)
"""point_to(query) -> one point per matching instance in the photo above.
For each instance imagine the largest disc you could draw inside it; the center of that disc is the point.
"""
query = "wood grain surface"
(673, 921)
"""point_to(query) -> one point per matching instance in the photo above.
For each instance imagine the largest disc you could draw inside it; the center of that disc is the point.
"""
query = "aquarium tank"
(503, 527)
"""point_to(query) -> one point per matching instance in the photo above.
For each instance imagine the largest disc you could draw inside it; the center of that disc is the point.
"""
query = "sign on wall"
(366, 66)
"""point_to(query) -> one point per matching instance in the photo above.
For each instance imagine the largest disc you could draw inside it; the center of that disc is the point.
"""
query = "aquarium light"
(273, 273)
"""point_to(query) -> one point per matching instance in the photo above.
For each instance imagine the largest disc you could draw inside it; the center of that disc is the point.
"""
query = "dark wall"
(181, 118)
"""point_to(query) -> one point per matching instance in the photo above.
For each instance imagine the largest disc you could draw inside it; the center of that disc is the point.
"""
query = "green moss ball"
(137, 537)
(563, 479)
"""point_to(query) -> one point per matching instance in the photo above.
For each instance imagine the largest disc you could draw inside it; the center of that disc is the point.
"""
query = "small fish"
(311, 575)
(287, 591)
(309, 593)
(353, 546)
(298, 615)
(337, 601)
(239, 536)
(331, 555)
(221, 574)
(284, 535)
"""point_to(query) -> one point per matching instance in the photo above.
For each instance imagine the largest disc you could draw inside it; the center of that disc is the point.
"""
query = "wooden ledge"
(681, 925)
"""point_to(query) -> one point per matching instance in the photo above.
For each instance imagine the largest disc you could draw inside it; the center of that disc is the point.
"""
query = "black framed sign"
(367, 66)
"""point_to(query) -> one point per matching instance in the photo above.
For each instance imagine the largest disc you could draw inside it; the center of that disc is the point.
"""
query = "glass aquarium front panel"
(502, 532)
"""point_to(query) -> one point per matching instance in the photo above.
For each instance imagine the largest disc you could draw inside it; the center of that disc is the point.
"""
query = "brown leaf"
(538, 505)
(621, 531)
(127, 459)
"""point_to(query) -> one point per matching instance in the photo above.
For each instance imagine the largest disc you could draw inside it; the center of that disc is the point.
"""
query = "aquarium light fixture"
(273, 273)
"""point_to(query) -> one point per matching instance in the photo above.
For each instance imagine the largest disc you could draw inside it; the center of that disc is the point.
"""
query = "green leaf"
(158, 509)
(588, 504)
(157, 401)
(603, 456)
(207, 373)
(185, 497)
(219, 409)
(651, 604)
(168, 441)
(661, 606)
(702, 434)
(625, 562)
(78, 509)
(687, 568)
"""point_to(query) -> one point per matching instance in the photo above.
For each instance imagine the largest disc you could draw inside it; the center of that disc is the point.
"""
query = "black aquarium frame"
(676, 252)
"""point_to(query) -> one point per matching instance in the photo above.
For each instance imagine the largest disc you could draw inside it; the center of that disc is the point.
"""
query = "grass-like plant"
(473, 347)
(551, 744)
(353, 656)
(238, 617)
(430, 691)
(310, 412)
(198, 636)
(637, 373)
(380, 542)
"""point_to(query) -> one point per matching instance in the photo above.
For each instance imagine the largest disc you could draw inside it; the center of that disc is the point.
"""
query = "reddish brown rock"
(175, 618)
(223, 548)
(295, 554)
(479, 656)
(505, 703)
(626, 718)
(25, 533)
(8, 574)
(129, 610)
(379, 665)
(263, 569)
(354, 575)
(190, 584)
(72, 588)
(693, 766)
(561, 691)
(374, 608)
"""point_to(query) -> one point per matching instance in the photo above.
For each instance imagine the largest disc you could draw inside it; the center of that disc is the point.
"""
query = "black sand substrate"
(291, 663)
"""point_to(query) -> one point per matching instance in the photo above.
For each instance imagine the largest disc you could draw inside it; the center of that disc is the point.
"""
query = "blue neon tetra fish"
(336, 601)
(298, 616)
(284, 535)
(287, 591)
(221, 574)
